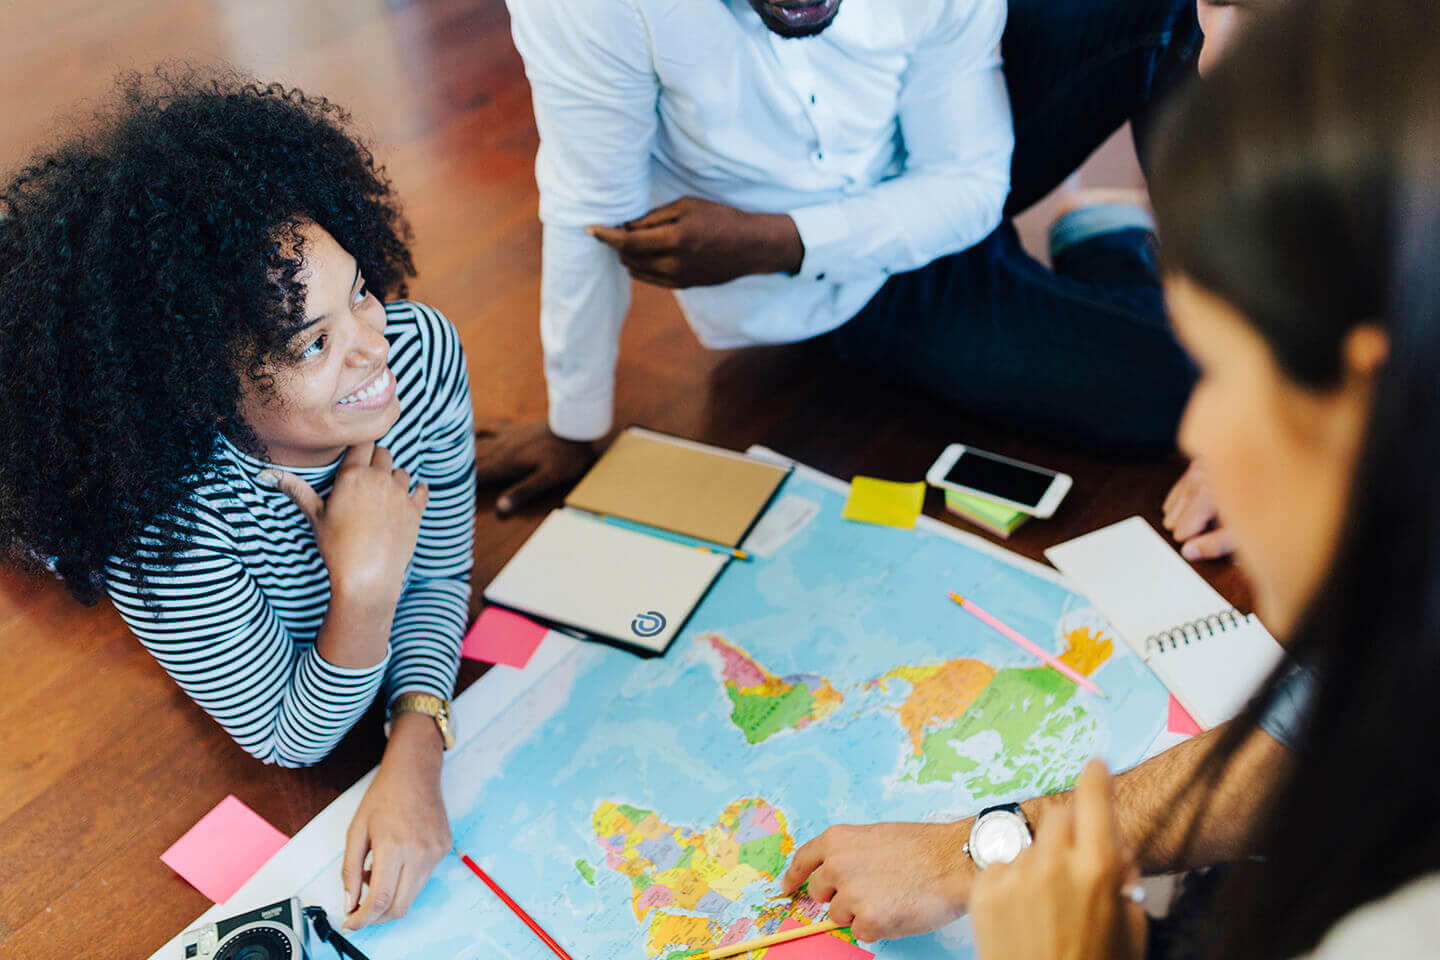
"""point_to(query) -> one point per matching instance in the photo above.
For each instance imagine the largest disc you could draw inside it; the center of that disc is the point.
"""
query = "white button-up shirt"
(887, 139)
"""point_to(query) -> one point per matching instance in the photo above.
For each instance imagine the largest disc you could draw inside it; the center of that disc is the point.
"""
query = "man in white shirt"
(842, 167)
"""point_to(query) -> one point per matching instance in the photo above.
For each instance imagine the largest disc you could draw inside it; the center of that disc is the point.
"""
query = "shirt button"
(812, 98)
(819, 276)
(819, 156)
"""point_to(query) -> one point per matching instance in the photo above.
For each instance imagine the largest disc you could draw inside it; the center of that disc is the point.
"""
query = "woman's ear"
(1337, 418)
(1365, 350)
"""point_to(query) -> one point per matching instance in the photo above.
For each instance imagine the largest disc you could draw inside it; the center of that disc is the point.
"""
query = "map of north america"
(993, 730)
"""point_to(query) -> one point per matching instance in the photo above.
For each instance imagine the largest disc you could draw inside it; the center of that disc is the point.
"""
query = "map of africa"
(647, 808)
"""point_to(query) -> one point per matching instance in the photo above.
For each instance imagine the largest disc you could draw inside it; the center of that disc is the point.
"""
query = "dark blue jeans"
(1083, 353)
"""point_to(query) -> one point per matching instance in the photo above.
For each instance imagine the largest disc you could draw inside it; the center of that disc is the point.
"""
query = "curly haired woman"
(214, 418)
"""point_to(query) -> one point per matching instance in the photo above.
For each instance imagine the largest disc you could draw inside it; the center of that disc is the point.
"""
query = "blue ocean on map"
(610, 770)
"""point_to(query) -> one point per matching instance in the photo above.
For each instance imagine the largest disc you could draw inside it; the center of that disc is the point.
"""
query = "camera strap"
(330, 935)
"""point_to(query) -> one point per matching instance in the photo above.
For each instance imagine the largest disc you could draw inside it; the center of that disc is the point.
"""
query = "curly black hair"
(149, 267)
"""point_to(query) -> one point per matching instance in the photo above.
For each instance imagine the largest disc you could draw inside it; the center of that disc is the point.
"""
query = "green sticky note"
(998, 518)
(883, 502)
(988, 510)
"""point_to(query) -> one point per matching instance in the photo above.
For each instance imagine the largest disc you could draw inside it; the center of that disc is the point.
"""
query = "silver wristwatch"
(998, 835)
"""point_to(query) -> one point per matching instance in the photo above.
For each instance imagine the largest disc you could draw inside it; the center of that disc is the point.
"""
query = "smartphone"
(1025, 487)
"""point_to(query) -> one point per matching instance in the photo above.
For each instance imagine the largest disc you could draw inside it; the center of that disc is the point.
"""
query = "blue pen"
(679, 538)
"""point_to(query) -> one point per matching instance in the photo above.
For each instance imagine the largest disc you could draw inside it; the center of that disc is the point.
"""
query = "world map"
(684, 881)
(766, 704)
(647, 808)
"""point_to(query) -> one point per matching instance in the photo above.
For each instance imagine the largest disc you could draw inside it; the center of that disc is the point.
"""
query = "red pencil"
(505, 898)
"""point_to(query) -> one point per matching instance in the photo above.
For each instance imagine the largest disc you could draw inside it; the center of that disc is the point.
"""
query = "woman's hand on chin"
(366, 529)
(401, 825)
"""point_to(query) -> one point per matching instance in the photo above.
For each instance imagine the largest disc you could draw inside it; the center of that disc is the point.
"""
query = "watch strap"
(1014, 808)
(428, 704)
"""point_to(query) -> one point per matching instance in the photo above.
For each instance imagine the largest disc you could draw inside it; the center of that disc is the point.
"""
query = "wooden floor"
(103, 762)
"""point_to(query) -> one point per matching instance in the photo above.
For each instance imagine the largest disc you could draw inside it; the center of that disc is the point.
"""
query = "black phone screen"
(1011, 481)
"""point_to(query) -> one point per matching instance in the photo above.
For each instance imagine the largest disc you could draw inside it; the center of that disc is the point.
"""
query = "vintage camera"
(276, 932)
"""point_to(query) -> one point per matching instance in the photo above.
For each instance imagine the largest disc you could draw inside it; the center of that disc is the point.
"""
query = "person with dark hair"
(1300, 274)
(1298, 197)
(215, 418)
(847, 168)
(1189, 511)
(1189, 508)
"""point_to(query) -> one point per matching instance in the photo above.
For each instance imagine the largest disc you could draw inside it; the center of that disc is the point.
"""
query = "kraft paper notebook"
(1210, 656)
(679, 485)
(619, 586)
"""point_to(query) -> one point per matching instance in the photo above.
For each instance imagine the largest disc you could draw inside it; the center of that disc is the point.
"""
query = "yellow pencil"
(761, 943)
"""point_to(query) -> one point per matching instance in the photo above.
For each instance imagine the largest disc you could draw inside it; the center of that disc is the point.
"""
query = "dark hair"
(149, 267)
(1280, 185)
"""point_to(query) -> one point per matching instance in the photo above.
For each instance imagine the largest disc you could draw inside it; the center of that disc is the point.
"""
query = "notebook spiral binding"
(1195, 631)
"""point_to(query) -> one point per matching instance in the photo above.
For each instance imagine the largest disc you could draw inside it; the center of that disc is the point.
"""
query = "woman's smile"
(374, 394)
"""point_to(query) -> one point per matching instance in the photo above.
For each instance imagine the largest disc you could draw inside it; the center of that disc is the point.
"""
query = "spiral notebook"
(1212, 657)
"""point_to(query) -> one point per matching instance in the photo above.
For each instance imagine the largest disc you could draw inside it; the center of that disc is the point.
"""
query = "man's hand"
(887, 880)
(699, 243)
(1190, 514)
(528, 456)
(401, 824)
(1061, 898)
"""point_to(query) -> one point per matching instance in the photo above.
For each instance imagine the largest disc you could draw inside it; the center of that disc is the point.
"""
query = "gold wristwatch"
(428, 704)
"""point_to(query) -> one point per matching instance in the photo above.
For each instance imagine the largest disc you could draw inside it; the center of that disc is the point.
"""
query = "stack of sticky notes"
(998, 518)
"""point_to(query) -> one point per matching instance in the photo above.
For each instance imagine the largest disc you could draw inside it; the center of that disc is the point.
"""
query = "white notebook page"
(1150, 594)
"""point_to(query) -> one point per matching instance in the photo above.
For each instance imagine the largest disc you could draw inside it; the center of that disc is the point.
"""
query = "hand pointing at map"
(887, 880)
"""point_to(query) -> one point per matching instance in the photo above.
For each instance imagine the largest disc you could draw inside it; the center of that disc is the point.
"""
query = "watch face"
(998, 837)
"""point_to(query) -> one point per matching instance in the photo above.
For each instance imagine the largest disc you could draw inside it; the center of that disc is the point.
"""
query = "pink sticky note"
(223, 850)
(1180, 720)
(822, 946)
(500, 636)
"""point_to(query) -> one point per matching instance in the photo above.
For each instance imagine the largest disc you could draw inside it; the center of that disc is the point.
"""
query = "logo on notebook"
(648, 624)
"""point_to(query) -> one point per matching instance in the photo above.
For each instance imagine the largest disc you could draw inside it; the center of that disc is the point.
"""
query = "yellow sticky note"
(883, 502)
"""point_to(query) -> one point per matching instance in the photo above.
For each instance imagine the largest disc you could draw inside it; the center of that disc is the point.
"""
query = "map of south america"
(765, 704)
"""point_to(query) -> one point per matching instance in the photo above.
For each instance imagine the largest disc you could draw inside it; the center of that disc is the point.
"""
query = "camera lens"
(257, 943)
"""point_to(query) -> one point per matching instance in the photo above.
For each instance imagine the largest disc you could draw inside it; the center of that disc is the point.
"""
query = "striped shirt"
(233, 618)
